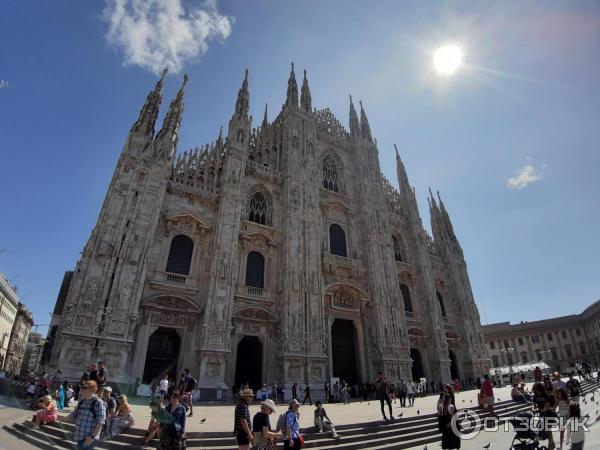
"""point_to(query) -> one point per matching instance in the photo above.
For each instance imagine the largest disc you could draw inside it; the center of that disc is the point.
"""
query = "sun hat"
(247, 393)
(269, 404)
(294, 402)
(108, 389)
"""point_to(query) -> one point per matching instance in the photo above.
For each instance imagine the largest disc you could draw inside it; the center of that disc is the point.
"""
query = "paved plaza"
(220, 418)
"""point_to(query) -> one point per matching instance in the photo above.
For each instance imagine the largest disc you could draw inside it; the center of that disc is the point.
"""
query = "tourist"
(263, 392)
(89, 416)
(46, 413)
(101, 376)
(292, 439)
(393, 392)
(262, 436)
(402, 392)
(487, 391)
(557, 383)
(449, 439)
(327, 392)
(172, 434)
(110, 401)
(306, 394)
(158, 416)
(550, 387)
(563, 403)
(574, 388)
(335, 391)
(517, 395)
(164, 387)
(122, 420)
(30, 392)
(383, 394)
(456, 385)
(537, 374)
(411, 392)
(449, 390)
(190, 385)
(322, 421)
(69, 393)
(578, 434)
(241, 426)
(295, 391)
(61, 397)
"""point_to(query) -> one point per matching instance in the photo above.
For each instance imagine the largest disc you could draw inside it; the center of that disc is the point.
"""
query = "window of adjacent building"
(564, 334)
(337, 240)
(257, 210)
(495, 361)
(180, 255)
(524, 357)
(520, 341)
(568, 351)
(550, 337)
(441, 302)
(492, 345)
(255, 270)
(578, 331)
(535, 339)
(330, 176)
(582, 348)
(505, 342)
(397, 249)
(554, 353)
(406, 297)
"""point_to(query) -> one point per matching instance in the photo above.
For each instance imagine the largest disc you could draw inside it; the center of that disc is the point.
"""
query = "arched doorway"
(343, 351)
(248, 363)
(162, 355)
(417, 364)
(453, 365)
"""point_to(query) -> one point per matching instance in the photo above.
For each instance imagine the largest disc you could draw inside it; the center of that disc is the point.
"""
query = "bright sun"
(447, 59)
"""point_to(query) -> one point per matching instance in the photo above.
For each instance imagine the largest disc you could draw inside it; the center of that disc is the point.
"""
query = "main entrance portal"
(343, 351)
(453, 366)
(248, 364)
(417, 364)
(161, 358)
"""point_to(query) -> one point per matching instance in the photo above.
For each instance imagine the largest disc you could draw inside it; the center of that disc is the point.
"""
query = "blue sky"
(527, 101)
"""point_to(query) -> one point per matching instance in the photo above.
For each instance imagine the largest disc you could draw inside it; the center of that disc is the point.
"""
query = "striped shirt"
(241, 412)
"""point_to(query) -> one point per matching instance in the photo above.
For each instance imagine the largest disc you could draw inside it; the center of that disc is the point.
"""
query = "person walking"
(241, 424)
(101, 377)
(89, 417)
(402, 393)
(411, 392)
(263, 438)
(292, 439)
(163, 387)
(574, 388)
(450, 441)
(383, 394)
(306, 394)
(172, 434)
(190, 385)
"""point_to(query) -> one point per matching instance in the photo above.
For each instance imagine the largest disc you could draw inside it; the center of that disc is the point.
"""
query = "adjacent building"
(9, 304)
(559, 342)
(33, 354)
(18, 340)
(278, 252)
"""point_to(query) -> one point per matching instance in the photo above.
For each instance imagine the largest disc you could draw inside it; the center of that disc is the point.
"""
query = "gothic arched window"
(180, 255)
(441, 301)
(406, 297)
(255, 270)
(397, 249)
(257, 210)
(330, 177)
(337, 240)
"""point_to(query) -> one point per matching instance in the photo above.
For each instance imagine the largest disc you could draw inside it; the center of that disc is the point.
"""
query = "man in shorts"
(189, 384)
(487, 389)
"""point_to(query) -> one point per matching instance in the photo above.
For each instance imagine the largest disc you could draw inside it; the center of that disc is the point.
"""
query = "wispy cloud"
(3, 84)
(526, 175)
(154, 34)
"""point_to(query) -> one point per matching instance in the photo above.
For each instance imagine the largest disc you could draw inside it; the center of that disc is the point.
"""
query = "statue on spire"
(242, 104)
(305, 99)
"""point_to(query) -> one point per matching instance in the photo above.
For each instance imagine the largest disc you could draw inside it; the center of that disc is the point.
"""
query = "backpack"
(92, 408)
(191, 384)
(281, 422)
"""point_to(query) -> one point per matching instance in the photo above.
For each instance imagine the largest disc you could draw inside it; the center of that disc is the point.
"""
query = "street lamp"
(508, 351)
(546, 354)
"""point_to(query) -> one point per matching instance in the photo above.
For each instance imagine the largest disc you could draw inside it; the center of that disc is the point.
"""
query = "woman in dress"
(46, 413)
(262, 436)
(122, 420)
(449, 439)
(172, 434)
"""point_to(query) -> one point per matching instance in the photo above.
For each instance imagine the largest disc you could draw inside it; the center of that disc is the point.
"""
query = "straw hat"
(269, 404)
(247, 393)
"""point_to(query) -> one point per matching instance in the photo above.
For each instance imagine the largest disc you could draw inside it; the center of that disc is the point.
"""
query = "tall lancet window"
(255, 270)
(441, 301)
(406, 297)
(180, 255)
(337, 240)
(397, 249)
(257, 210)
(330, 176)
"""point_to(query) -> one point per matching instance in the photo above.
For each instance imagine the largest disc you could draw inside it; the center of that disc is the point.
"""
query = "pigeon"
(400, 415)
(470, 401)
(203, 420)
(463, 401)
(487, 446)
(499, 399)
(418, 412)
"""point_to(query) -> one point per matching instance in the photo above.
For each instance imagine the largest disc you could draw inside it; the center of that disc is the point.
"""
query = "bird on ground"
(418, 412)
(400, 415)
(203, 420)
(487, 446)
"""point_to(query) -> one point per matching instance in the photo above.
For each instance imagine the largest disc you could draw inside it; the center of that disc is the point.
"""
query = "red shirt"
(488, 389)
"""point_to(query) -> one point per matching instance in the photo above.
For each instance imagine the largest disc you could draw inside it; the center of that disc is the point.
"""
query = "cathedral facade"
(278, 252)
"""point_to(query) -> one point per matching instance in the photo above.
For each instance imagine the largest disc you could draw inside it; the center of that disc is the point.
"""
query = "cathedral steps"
(403, 433)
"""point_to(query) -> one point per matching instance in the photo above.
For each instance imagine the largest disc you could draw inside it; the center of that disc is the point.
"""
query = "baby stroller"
(526, 438)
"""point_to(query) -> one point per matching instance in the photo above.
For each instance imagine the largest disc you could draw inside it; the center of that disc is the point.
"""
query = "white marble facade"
(283, 190)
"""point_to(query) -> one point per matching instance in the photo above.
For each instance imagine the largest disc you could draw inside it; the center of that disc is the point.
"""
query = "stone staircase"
(403, 433)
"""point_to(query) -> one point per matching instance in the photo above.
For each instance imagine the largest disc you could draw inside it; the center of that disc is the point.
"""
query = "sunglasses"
(86, 386)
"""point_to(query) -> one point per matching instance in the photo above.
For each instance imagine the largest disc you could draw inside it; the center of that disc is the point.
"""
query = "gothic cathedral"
(276, 253)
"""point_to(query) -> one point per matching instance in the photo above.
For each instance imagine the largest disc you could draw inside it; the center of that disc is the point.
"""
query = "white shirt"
(164, 384)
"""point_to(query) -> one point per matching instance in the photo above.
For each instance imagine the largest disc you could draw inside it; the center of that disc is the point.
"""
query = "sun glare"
(447, 59)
